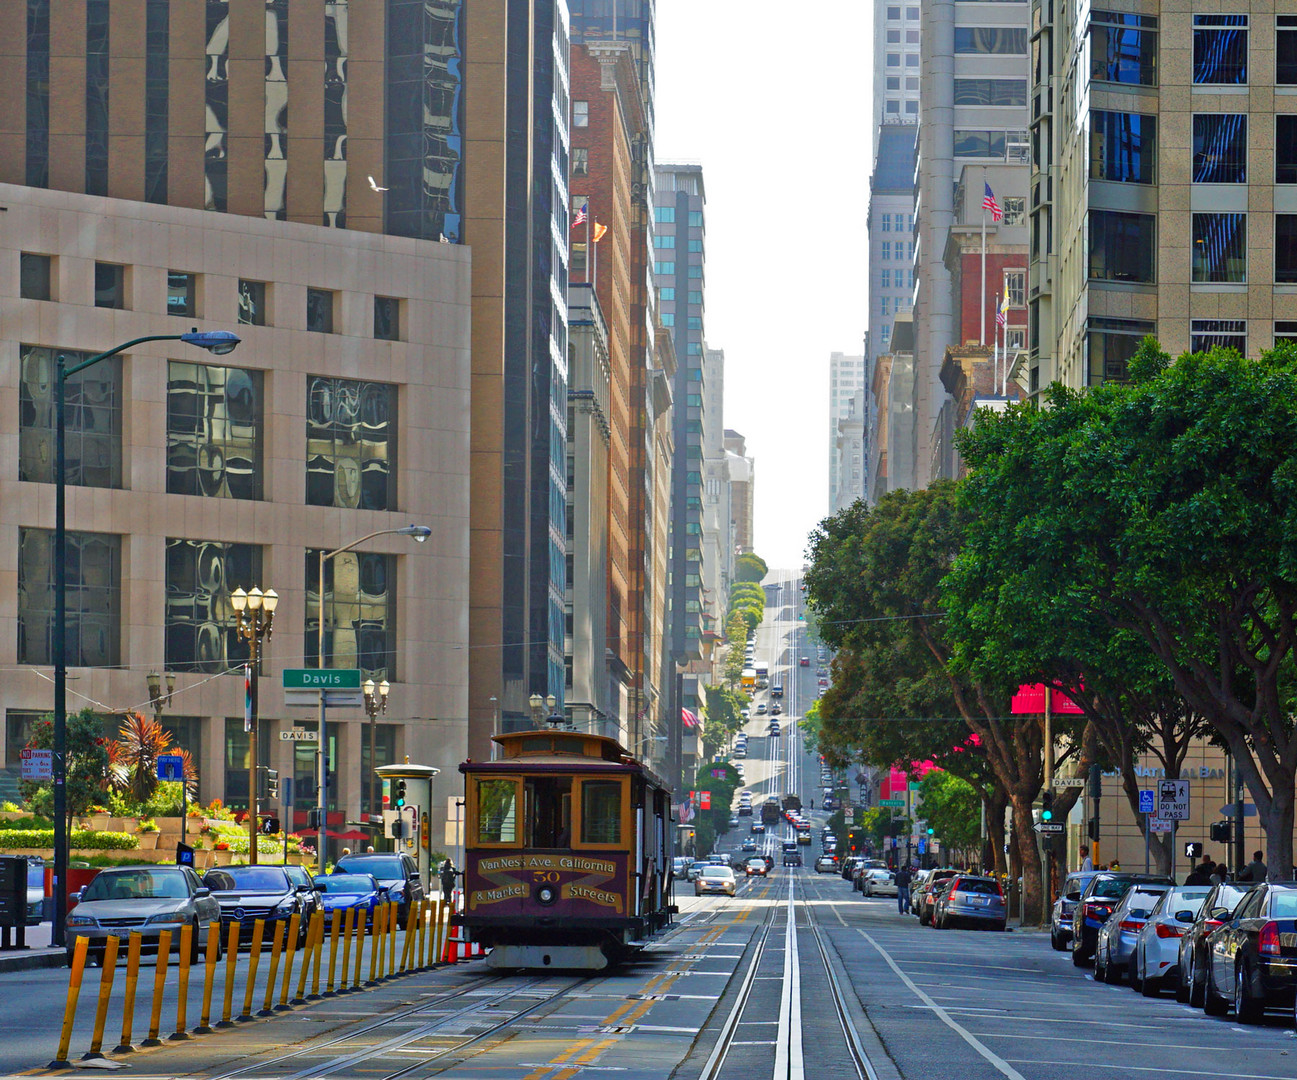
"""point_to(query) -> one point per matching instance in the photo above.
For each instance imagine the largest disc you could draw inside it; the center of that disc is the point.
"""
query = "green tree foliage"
(952, 808)
(87, 764)
(722, 780)
(749, 567)
(1167, 508)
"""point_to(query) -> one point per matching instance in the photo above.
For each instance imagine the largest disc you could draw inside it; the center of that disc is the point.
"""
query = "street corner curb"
(32, 960)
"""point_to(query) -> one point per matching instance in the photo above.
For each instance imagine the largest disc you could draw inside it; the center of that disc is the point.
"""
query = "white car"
(878, 883)
(1156, 964)
(714, 879)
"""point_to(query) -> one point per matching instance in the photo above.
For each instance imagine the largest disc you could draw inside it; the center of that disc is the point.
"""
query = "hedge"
(86, 839)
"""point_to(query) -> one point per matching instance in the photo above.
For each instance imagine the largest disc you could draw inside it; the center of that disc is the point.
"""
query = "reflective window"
(497, 811)
(387, 318)
(110, 285)
(1123, 147)
(34, 273)
(893, 60)
(1015, 287)
(217, 102)
(990, 91)
(912, 13)
(580, 114)
(664, 268)
(1285, 330)
(601, 811)
(200, 628)
(911, 108)
(1285, 73)
(252, 302)
(1219, 248)
(911, 60)
(214, 431)
(360, 612)
(1220, 49)
(96, 97)
(666, 243)
(1205, 334)
(93, 419)
(696, 247)
(1122, 246)
(668, 318)
(1219, 148)
(991, 39)
(1111, 343)
(979, 144)
(38, 93)
(1015, 211)
(693, 297)
(157, 102)
(667, 293)
(275, 113)
(182, 291)
(384, 738)
(1285, 249)
(695, 219)
(664, 215)
(94, 593)
(1123, 48)
(319, 311)
(350, 443)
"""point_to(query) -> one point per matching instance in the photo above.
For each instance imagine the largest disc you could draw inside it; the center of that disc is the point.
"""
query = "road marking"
(790, 1064)
(1124, 1042)
(1089, 1064)
(968, 1037)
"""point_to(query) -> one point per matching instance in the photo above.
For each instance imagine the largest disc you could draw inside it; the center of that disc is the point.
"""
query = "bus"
(763, 675)
(749, 678)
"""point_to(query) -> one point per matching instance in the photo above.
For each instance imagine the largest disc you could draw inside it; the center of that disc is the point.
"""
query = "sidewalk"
(38, 954)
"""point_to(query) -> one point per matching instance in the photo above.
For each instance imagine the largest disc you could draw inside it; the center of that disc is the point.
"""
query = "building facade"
(853, 460)
(743, 481)
(847, 376)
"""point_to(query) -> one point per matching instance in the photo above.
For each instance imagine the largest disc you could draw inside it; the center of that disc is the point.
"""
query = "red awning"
(1030, 699)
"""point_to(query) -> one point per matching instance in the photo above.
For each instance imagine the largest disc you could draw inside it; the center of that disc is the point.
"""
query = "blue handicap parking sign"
(1147, 803)
(171, 767)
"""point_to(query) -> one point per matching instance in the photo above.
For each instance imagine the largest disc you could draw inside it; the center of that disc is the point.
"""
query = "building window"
(1015, 209)
(1219, 247)
(350, 443)
(886, 223)
(694, 348)
(894, 108)
(1285, 73)
(893, 13)
(1123, 147)
(1015, 287)
(664, 215)
(1207, 334)
(157, 87)
(979, 144)
(1112, 342)
(695, 270)
(580, 161)
(360, 612)
(1219, 148)
(34, 276)
(1220, 49)
(1015, 338)
(1122, 246)
(696, 247)
(38, 93)
(387, 318)
(912, 13)
(1285, 331)
(911, 60)
(93, 419)
(695, 219)
(252, 302)
(1285, 249)
(668, 318)
(885, 250)
(110, 285)
(1285, 152)
(893, 37)
(991, 92)
(201, 633)
(92, 632)
(214, 431)
(666, 269)
(695, 296)
(667, 293)
(319, 311)
(885, 279)
(893, 60)
(1123, 48)
(911, 83)
(580, 114)
(991, 39)
(886, 332)
(893, 82)
(96, 97)
(182, 290)
(664, 243)
(695, 322)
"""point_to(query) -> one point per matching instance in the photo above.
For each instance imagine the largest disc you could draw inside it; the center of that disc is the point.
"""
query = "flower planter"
(100, 822)
(222, 858)
(149, 841)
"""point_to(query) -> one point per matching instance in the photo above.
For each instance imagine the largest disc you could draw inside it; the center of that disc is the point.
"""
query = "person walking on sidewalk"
(903, 879)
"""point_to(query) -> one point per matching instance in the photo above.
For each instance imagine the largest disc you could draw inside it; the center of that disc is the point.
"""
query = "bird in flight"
(375, 186)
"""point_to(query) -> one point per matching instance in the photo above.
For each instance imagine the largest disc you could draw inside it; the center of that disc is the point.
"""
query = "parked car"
(715, 879)
(1215, 912)
(756, 866)
(694, 868)
(1098, 899)
(35, 890)
(1252, 959)
(1115, 944)
(1156, 962)
(1060, 919)
(922, 899)
(396, 872)
(970, 900)
(145, 900)
(341, 892)
(249, 893)
(826, 862)
(299, 875)
(876, 882)
(849, 866)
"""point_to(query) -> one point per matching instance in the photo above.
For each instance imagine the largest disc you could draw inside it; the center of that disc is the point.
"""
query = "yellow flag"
(599, 230)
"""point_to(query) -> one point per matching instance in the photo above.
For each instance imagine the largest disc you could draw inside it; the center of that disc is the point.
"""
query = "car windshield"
(137, 885)
(1110, 888)
(383, 869)
(756, 862)
(346, 883)
(297, 875)
(723, 872)
(979, 885)
(1142, 902)
(259, 878)
(1189, 899)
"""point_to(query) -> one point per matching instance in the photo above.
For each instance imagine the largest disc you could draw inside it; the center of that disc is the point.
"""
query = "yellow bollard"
(329, 991)
(376, 943)
(159, 985)
(275, 948)
(442, 916)
(312, 928)
(209, 977)
(105, 992)
(392, 926)
(294, 928)
(258, 929)
(70, 1010)
(182, 985)
(420, 947)
(132, 981)
(231, 960)
(343, 988)
(360, 945)
(410, 954)
(318, 958)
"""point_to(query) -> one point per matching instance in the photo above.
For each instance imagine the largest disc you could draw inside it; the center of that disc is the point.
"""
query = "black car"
(398, 873)
(249, 893)
(1098, 899)
(1215, 912)
(299, 875)
(1252, 959)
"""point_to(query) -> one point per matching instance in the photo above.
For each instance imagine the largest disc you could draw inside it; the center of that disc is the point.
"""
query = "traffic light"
(931, 831)
(1094, 829)
(1047, 806)
(270, 825)
(398, 829)
(272, 785)
(399, 801)
(1221, 832)
(1192, 849)
(313, 818)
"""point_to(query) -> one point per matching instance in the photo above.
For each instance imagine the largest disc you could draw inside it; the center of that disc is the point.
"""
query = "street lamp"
(256, 617)
(219, 342)
(420, 534)
(375, 703)
(537, 703)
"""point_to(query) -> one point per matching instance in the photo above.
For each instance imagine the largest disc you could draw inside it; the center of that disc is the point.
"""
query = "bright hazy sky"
(772, 98)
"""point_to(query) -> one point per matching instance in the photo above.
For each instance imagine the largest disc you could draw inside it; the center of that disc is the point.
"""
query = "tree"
(951, 807)
(749, 567)
(1167, 507)
(87, 764)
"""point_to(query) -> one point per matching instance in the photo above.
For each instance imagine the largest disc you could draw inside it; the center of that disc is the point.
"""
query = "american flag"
(688, 718)
(584, 212)
(989, 203)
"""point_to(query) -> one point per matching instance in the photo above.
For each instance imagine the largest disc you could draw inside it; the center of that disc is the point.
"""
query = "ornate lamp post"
(375, 703)
(256, 615)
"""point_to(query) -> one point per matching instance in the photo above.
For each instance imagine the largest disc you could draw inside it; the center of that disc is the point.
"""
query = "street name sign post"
(1062, 783)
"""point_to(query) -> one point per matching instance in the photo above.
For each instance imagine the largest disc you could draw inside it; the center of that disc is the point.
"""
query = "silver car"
(877, 882)
(1157, 946)
(145, 900)
(1115, 948)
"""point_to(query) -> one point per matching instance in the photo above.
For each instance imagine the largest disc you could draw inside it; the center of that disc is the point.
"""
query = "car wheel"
(1078, 957)
(1100, 973)
(195, 944)
(1055, 941)
(1182, 991)
(1149, 986)
(1247, 1010)
(1213, 1004)
(1196, 986)
(1132, 974)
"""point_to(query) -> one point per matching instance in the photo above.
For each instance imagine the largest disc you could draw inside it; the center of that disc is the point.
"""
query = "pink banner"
(1030, 699)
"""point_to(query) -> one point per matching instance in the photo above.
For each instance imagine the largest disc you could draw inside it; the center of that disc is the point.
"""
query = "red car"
(757, 866)
(805, 661)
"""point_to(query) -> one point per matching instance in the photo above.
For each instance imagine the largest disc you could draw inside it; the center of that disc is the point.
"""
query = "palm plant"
(140, 743)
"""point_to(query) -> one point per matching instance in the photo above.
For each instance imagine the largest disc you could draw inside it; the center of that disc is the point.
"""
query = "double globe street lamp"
(255, 611)
(219, 342)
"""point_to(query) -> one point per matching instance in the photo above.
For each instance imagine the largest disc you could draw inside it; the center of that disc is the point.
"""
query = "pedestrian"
(903, 879)
(1256, 870)
(370, 849)
(447, 879)
(1201, 874)
(346, 851)
(1087, 864)
(1219, 874)
(1114, 865)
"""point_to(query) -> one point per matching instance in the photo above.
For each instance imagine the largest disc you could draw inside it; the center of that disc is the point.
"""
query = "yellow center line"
(559, 1059)
(588, 1058)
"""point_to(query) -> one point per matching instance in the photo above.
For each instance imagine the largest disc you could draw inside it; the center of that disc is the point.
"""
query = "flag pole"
(588, 253)
(982, 332)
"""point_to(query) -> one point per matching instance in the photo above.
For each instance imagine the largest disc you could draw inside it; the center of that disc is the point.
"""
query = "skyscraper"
(847, 375)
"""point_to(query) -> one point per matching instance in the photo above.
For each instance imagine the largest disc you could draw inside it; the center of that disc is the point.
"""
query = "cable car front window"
(497, 811)
(601, 811)
(549, 812)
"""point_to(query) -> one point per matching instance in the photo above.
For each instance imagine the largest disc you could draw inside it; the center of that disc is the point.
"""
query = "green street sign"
(891, 802)
(321, 679)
